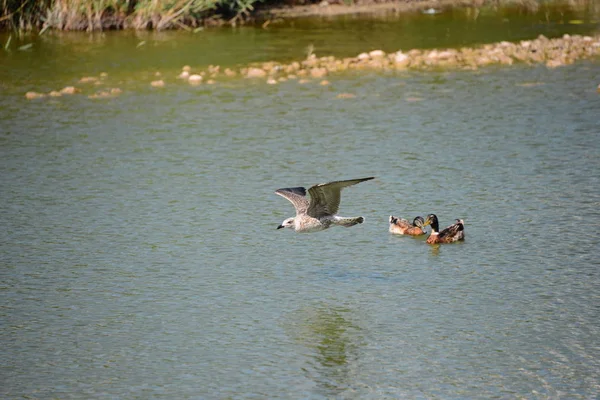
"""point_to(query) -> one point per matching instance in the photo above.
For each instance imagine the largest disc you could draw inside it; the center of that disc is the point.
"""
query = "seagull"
(320, 212)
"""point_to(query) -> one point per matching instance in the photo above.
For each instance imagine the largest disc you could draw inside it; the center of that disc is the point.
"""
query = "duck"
(451, 234)
(401, 226)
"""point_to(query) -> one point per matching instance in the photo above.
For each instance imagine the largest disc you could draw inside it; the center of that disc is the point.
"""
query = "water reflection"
(435, 249)
(333, 340)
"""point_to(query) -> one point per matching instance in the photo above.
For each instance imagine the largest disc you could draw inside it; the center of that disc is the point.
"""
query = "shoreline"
(324, 9)
(123, 16)
(553, 53)
(84, 15)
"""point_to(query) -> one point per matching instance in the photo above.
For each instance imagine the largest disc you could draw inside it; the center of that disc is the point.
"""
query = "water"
(140, 257)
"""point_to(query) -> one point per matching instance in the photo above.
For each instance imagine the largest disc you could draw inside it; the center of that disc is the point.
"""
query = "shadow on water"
(332, 340)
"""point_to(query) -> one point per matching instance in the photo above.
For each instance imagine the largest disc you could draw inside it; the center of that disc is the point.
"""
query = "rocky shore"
(552, 53)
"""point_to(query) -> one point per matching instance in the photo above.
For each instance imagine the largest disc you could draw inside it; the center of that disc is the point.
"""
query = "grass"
(94, 15)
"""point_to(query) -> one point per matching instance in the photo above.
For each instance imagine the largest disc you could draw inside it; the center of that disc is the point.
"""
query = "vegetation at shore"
(97, 15)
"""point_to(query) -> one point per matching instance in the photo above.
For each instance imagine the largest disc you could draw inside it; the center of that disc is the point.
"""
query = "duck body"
(453, 233)
(401, 226)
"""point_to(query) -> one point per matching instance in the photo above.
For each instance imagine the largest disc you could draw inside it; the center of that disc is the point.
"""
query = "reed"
(22, 14)
(87, 15)
(93, 15)
(161, 15)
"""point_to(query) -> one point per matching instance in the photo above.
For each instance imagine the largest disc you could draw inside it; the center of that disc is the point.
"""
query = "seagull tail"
(348, 222)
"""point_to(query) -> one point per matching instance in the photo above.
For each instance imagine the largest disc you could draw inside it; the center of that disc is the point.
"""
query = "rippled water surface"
(140, 257)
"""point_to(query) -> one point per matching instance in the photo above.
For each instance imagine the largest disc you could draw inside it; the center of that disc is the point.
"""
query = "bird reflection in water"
(333, 340)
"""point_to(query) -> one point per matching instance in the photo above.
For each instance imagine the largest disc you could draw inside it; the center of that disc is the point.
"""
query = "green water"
(139, 256)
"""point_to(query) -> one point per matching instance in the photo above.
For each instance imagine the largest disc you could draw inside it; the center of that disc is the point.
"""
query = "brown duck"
(401, 226)
(453, 233)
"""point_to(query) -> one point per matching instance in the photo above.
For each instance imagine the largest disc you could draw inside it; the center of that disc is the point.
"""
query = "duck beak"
(280, 226)
(427, 222)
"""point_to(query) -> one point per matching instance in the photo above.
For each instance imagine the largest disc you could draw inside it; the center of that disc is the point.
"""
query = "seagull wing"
(297, 196)
(325, 197)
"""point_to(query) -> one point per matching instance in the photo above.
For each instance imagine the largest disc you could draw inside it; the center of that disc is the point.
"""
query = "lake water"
(140, 257)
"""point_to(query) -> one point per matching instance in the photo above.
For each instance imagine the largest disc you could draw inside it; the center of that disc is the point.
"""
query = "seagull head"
(288, 223)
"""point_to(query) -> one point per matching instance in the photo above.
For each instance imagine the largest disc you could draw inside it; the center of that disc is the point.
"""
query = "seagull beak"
(280, 226)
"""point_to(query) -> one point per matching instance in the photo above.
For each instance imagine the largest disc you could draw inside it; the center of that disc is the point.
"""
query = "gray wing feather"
(325, 197)
(297, 196)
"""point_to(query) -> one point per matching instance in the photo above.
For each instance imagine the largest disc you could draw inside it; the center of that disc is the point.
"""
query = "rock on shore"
(552, 53)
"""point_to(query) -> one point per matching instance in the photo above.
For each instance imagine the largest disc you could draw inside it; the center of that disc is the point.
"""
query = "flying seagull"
(320, 212)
